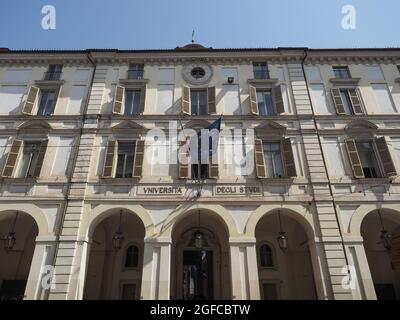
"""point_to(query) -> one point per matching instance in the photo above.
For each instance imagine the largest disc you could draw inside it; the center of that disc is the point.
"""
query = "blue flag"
(212, 146)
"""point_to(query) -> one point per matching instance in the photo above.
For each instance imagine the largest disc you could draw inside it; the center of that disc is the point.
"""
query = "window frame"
(263, 90)
(380, 173)
(274, 265)
(54, 72)
(199, 90)
(266, 141)
(135, 71)
(263, 73)
(341, 72)
(39, 101)
(32, 162)
(119, 142)
(139, 256)
(138, 95)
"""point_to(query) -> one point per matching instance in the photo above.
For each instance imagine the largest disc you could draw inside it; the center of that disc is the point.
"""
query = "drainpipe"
(326, 167)
(75, 154)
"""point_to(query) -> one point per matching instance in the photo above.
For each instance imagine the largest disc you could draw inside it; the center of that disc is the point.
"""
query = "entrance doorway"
(200, 258)
(197, 275)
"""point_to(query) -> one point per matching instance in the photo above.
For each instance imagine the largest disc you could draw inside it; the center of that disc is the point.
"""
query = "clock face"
(197, 74)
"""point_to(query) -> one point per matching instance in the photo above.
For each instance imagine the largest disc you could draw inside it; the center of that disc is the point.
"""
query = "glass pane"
(46, 103)
(368, 159)
(346, 101)
(273, 160)
(132, 103)
(265, 104)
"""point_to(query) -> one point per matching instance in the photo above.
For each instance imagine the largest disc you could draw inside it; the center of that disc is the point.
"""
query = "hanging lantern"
(9, 241)
(282, 240)
(282, 237)
(118, 237)
(385, 237)
(198, 239)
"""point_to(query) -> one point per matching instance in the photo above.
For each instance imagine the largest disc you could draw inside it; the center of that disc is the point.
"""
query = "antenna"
(193, 36)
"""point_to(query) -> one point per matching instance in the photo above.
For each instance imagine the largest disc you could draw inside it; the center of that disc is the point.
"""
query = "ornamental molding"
(187, 76)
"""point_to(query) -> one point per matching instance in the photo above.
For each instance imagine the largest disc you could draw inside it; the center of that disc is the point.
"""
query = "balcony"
(135, 74)
(52, 76)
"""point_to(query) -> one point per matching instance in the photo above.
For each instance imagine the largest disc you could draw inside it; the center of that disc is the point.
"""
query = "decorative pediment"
(271, 126)
(128, 125)
(35, 124)
(361, 126)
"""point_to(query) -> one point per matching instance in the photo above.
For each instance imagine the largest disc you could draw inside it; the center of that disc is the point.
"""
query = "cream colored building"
(316, 217)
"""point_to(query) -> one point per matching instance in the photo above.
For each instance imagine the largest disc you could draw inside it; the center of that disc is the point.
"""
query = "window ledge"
(270, 82)
(345, 81)
(30, 180)
(133, 81)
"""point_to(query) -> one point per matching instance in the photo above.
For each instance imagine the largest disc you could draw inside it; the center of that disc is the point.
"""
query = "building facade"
(310, 211)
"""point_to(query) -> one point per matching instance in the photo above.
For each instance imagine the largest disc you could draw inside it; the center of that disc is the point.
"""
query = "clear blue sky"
(152, 24)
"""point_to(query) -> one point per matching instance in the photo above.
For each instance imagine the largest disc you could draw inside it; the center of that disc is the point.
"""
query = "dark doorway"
(198, 275)
(12, 289)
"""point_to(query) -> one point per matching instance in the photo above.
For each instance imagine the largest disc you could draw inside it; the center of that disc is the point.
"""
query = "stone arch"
(362, 211)
(296, 212)
(217, 210)
(33, 211)
(103, 211)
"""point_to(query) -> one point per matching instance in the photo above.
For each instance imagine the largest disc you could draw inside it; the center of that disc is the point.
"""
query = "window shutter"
(354, 158)
(118, 99)
(355, 101)
(337, 101)
(109, 161)
(212, 108)
(253, 100)
(183, 161)
(12, 158)
(138, 161)
(142, 99)
(384, 155)
(186, 100)
(259, 157)
(289, 158)
(278, 99)
(30, 100)
(39, 163)
(213, 171)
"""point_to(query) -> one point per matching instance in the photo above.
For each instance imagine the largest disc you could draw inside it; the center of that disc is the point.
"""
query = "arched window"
(266, 256)
(132, 257)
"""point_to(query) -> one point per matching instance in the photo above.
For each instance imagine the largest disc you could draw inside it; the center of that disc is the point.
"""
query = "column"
(41, 269)
(244, 269)
(156, 277)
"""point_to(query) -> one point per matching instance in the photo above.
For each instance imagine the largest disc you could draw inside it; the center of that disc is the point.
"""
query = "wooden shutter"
(30, 100)
(12, 158)
(39, 163)
(183, 160)
(355, 101)
(288, 158)
(253, 100)
(109, 160)
(142, 99)
(384, 155)
(138, 160)
(118, 99)
(186, 100)
(212, 108)
(354, 158)
(337, 101)
(259, 158)
(213, 171)
(278, 99)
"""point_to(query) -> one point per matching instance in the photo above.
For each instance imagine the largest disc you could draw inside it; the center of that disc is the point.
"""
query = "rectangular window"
(383, 98)
(344, 93)
(341, 72)
(199, 171)
(265, 103)
(46, 102)
(30, 155)
(368, 159)
(125, 157)
(53, 72)
(319, 99)
(313, 73)
(375, 73)
(132, 102)
(260, 70)
(273, 160)
(136, 71)
(198, 100)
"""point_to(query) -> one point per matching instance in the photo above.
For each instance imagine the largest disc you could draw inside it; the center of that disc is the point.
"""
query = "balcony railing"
(261, 74)
(52, 75)
(135, 74)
